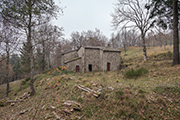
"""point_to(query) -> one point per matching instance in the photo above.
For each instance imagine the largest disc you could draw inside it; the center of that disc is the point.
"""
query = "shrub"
(38, 77)
(135, 73)
(58, 71)
(169, 54)
(23, 82)
(27, 79)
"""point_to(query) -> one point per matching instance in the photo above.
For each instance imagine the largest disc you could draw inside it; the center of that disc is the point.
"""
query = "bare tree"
(88, 38)
(77, 40)
(34, 13)
(46, 37)
(131, 13)
(8, 44)
(94, 38)
(114, 40)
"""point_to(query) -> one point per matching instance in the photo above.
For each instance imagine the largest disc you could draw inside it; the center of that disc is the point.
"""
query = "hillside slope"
(61, 95)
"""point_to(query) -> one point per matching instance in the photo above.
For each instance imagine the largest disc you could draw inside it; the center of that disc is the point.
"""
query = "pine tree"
(167, 14)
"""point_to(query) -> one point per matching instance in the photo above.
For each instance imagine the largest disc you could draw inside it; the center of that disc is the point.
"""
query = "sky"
(83, 15)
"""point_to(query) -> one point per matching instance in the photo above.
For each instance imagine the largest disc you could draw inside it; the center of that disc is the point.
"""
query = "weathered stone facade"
(89, 58)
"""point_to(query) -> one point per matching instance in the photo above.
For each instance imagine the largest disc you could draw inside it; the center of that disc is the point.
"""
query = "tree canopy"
(162, 10)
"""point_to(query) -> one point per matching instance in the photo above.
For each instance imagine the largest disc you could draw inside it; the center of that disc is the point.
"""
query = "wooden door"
(77, 68)
(108, 66)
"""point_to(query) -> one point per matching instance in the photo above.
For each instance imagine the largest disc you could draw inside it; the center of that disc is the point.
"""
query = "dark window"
(77, 68)
(108, 66)
(90, 67)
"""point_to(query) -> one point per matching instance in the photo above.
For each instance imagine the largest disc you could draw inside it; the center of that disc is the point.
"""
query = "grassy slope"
(155, 95)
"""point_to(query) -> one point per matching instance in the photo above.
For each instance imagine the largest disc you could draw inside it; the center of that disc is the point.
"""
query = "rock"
(93, 84)
(52, 107)
(120, 84)
(78, 81)
(12, 104)
(72, 78)
(110, 88)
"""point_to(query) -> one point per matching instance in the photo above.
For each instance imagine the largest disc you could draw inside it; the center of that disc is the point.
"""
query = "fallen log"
(20, 99)
(66, 111)
(74, 105)
(95, 93)
(52, 107)
(24, 111)
(12, 101)
(57, 117)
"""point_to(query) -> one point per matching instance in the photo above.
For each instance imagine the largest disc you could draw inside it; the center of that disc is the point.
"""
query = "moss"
(72, 59)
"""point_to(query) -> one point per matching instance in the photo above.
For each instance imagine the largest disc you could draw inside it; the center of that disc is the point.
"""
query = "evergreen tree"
(25, 58)
(163, 11)
(167, 14)
(16, 63)
(27, 14)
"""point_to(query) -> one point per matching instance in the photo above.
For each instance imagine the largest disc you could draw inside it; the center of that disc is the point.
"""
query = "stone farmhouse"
(91, 58)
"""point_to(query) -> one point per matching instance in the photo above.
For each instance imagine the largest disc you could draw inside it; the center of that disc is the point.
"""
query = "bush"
(169, 54)
(23, 82)
(58, 71)
(135, 73)
(27, 79)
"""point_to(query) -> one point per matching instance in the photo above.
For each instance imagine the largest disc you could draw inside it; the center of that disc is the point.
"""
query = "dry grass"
(155, 95)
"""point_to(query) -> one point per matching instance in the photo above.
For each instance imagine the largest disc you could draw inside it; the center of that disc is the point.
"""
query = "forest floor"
(154, 95)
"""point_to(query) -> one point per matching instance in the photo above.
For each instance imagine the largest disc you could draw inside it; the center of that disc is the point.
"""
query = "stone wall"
(72, 65)
(95, 56)
(70, 55)
(81, 52)
(92, 56)
(113, 58)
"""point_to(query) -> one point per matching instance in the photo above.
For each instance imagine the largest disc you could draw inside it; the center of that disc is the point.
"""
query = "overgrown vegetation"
(133, 73)
(58, 71)
(151, 96)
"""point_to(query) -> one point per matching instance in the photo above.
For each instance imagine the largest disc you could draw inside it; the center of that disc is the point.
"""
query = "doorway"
(108, 66)
(77, 68)
(90, 67)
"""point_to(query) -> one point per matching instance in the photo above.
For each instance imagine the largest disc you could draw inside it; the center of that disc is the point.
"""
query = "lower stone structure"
(90, 58)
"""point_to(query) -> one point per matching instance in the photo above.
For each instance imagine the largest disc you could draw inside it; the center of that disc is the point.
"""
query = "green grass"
(151, 96)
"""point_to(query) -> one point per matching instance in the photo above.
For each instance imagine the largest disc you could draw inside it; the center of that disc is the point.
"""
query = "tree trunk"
(7, 68)
(144, 46)
(125, 42)
(31, 50)
(49, 61)
(175, 33)
(43, 56)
